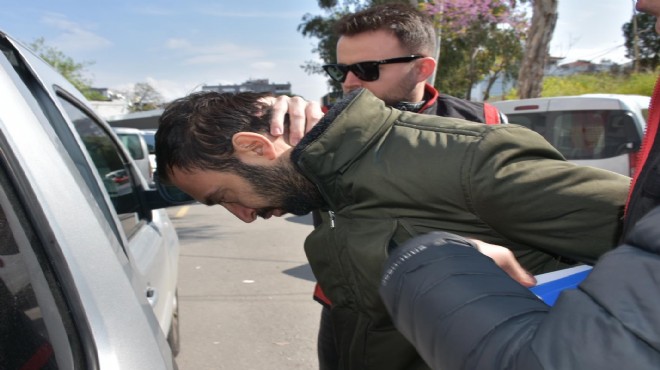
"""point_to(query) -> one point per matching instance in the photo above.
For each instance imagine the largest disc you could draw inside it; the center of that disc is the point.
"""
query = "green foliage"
(322, 29)
(635, 83)
(648, 41)
(483, 51)
(65, 65)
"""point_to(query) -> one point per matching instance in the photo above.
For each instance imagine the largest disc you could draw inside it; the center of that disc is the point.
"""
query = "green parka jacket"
(389, 175)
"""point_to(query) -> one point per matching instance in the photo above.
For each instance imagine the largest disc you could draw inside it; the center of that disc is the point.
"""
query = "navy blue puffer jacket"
(462, 312)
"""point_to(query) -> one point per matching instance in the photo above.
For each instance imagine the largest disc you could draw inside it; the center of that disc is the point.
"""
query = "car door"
(70, 297)
(140, 233)
(112, 177)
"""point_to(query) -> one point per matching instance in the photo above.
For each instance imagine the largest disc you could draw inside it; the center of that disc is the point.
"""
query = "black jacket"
(462, 312)
(645, 189)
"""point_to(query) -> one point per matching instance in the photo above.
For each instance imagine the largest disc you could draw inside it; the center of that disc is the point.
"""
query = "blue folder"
(550, 285)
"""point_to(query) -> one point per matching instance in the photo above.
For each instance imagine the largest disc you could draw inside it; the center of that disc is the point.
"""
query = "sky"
(178, 46)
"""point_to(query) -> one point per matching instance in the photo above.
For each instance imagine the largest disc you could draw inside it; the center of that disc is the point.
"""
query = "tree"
(507, 64)
(648, 41)
(66, 66)
(480, 39)
(144, 97)
(537, 46)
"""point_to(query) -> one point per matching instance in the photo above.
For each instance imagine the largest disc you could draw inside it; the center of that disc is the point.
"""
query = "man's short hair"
(196, 131)
(413, 29)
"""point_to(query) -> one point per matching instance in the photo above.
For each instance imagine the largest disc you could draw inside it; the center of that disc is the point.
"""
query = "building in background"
(115, 103)
(257, 85)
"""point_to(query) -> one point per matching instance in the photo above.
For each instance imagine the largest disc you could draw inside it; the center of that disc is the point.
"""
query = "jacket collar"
(349, 128)
(431, 99)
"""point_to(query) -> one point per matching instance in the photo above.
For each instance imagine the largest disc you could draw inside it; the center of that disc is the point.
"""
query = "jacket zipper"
(332, 219)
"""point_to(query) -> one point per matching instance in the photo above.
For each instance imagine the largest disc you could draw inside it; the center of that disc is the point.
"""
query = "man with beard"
(381, 176)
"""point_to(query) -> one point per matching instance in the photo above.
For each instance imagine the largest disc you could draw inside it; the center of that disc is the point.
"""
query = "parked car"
(135, 143)
(89, 257)
(150, 138)
(600, 130)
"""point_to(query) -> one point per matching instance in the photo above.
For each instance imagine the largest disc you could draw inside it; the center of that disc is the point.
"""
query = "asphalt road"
(245, 292)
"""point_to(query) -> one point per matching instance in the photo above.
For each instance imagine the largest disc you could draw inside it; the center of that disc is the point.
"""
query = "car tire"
(173, 338)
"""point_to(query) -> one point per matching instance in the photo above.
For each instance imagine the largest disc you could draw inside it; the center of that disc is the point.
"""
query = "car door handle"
(152, 296)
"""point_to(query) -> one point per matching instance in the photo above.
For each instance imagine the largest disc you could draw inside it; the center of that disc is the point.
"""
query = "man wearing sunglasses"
(387, 50)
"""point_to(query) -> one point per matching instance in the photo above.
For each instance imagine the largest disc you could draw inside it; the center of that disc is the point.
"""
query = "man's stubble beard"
(283, 186)
(402, 91)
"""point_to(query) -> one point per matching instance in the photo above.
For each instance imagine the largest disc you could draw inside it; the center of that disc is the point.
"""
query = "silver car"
(88, 257)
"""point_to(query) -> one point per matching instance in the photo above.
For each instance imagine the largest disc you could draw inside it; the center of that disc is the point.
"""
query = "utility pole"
(635, 41)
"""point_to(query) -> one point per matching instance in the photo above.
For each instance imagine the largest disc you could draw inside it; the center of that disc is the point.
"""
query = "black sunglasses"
(365, 71)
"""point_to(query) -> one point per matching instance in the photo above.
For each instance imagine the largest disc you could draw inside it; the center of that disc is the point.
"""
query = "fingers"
(303, 115)
(505, 259)
(297, 119)
(279, 108)
(313, 114)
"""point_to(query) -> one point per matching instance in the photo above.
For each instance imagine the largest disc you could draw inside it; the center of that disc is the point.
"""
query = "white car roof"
(634, 103)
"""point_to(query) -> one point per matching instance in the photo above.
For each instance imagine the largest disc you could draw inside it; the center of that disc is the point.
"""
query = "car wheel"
(173, 337)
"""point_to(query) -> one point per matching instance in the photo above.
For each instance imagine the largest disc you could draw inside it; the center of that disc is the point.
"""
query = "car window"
(583, 134)
(115, 172)
(36, 331)
(55, 119)
(150, 138)
(133, 144)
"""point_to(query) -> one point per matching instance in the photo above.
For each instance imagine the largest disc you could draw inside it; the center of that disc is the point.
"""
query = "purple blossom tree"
(491, 33)
(456, 17)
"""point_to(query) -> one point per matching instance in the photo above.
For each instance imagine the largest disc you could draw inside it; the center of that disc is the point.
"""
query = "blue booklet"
(549, 285)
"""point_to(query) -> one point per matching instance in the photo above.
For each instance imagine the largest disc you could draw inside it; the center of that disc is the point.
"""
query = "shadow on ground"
(301, 272)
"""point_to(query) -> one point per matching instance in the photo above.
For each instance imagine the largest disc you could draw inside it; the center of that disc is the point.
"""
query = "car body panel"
(104, 273)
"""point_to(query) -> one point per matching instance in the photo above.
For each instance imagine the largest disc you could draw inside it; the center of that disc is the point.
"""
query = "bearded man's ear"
(251, 146)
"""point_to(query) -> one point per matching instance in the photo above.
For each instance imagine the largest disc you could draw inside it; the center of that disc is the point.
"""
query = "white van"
(150, 137)
(599, 130)
(137, 147)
